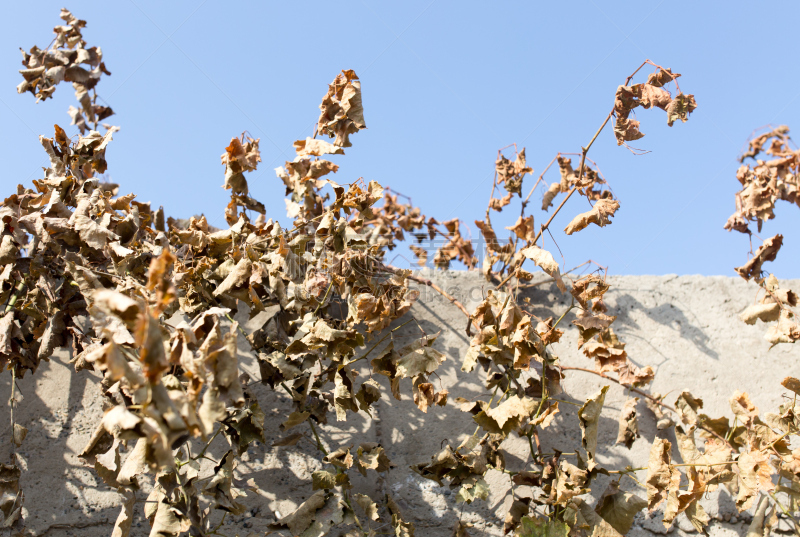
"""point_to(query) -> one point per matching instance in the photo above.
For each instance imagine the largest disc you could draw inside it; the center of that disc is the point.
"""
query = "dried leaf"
(791, 383)
(764, 312)
(544, 260)
(661, 476)
(768, 251)
(600, 215)
(618, 507)
(589, 418)
(628, 424)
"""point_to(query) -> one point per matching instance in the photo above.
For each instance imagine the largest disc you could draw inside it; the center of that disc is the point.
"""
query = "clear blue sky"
(445, 85)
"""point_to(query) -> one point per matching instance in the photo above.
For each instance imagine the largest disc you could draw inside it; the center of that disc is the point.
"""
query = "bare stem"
(17, 291)
(320, 446)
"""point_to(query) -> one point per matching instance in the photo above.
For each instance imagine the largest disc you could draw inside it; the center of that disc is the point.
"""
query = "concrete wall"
(685, 327)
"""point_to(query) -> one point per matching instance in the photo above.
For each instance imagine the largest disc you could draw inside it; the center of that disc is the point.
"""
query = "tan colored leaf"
(618, 507)
(791, 383)
(19, 434)
(8, 250)
(497, 204)
(544, 260)
(600, 215)
(765, 312)
(523, 228)
(628, 424)
(626, 130)
(236, 278)
(122, 526)
(786, 331)
(303, 516)
(687, 406)
(743, 408)
(768, 251)
(589, 417)
(516, 511)
(661, 476)
(755, 475)
(546, 417)
(507, 416)
(317, 148)
(569, 482)
(341, 458)
(323, 479)
(680, 107)
(92, 233)
(419, 359)
(370, 508)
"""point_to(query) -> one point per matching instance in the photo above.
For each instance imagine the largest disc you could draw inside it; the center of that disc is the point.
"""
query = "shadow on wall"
(666, 314)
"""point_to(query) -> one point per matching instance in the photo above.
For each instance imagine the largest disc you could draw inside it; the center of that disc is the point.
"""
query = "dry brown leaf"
(766, 252)
(600, 215)
(589, 419)
(661, 476)
(628, 424)
(544, 260)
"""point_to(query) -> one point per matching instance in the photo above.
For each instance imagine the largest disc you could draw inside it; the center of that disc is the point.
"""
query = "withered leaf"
(680, 108)
(323, 479)
(687, 406)
(506, 416)
(122, 526)
(569, 482)
(299, 521)
(19, 434)
(743, 408)
(618, 507)
(791, 383)
(294, 419)
(755, 475)
(419, 358)
(661, 475)
(764, 312)
(600, 215)
(628, 424)
(370, 508)
(787, 330)
(766, 252)
(516, 511)
(544, 260)
(589, 418)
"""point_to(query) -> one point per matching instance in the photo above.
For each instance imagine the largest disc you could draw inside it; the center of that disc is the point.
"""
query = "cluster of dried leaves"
(148, 301)
(762, 185)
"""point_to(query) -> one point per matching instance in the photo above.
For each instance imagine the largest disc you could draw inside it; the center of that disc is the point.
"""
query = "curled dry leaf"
(766, 252)
(600, 215)
(341, 111)
(589, 418)
(618, 507)
(661, 475)
(544, 260)
(628, 424)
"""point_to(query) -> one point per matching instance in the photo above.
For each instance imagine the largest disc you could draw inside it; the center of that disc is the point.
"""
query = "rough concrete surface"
(685, 327)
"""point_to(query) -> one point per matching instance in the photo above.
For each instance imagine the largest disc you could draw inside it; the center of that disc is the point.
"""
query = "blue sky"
(445, 85)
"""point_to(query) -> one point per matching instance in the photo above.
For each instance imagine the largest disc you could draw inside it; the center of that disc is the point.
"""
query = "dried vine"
(87, 268)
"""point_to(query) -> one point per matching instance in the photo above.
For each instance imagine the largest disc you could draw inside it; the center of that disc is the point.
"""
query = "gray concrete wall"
(685, 327)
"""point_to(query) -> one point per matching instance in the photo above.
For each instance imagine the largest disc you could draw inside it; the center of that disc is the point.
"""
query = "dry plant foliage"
(148, 302)
(762, 185)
